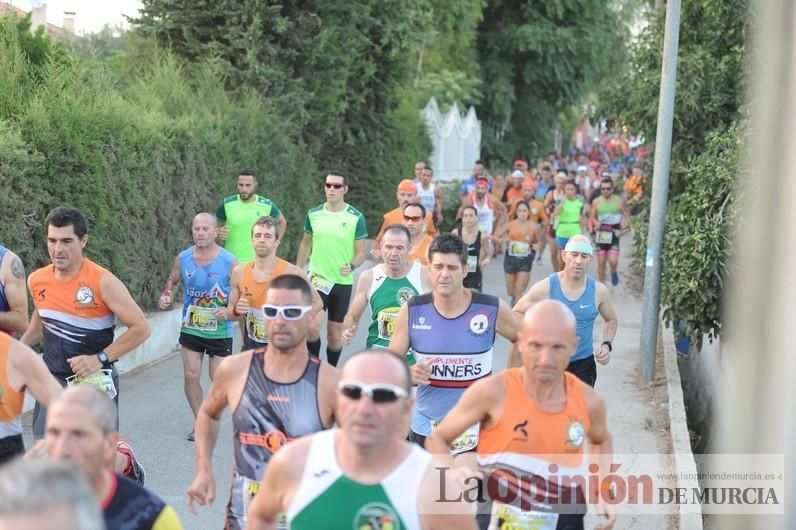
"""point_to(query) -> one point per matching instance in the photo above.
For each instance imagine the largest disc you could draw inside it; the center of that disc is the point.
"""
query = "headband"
(578, 246)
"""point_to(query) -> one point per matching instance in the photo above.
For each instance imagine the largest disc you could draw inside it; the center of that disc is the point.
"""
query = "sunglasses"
(413, 218)
(379, 393)
(606, 189)
(288, 312)
(330, 185)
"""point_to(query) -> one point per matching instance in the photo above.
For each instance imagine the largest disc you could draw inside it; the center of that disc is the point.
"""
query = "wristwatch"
(352, 266)
(103, 358)
(608, 343)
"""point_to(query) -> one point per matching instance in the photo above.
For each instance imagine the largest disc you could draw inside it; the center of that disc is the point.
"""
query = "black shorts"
(513, 264)
(336, 302)
(473, 281)
(584, 369)
(11, 447)
(251, 344)
(212, 347)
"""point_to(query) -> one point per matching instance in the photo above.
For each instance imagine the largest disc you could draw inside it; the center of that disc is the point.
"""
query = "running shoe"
(134, 470)
(190, 437)
(614, 279)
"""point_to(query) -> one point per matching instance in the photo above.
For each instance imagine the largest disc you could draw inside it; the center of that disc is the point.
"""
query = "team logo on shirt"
(404, 294)
(84, 295)
(375, 516)
(575, 434)
(479, 324)
(421, 324)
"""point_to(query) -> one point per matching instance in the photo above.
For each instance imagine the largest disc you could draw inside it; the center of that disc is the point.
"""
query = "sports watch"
(103, 357)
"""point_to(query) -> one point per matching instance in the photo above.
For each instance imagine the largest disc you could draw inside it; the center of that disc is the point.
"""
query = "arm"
(440, 204)
(171, 282)
(443, 504)
(282, 223)
(359, 252)
(221, 217)
(305, 247)
(281, 475)
(625, 213)
(328, 378)
(538, 292)
(12, 276)
(610, 321)
(483, 256)
(237, 305)
(425, 279)
(317, 303)
(600, 450)
(357, 307)
(399, 342)
(593, 213)
(35, 332)
(27, 370)
(507, 324)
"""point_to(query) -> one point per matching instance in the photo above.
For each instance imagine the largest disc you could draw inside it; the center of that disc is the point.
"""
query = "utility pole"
(660, 193)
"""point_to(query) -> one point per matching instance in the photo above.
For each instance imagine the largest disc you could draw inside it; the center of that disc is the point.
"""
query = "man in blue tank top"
(275, 395)
(450, 333)
(586, 298)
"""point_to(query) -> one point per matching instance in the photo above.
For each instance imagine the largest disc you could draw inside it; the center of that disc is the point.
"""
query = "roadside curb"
(690, 515)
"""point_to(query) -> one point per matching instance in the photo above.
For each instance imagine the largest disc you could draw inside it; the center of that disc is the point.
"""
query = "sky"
(91, 15)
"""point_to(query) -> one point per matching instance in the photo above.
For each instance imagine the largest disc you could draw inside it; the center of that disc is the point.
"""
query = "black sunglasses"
(330, 185)
(379, 393)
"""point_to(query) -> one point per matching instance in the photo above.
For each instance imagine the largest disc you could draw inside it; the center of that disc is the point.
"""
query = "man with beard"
(204, 270)
(275, 395)
(386, 287)
(406, 194)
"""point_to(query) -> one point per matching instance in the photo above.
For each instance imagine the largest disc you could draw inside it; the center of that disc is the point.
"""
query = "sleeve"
(167, 520)
(275, 211)
(307, 223)
(221, 213)
(362, 231)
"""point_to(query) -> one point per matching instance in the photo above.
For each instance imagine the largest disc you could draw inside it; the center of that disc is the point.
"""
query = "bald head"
(551, 313)
(98, 405)
(204, 230)
(377, 364)
(205, 217)
(547, 340)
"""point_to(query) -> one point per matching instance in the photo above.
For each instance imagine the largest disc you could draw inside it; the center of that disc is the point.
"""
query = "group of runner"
(429, 350)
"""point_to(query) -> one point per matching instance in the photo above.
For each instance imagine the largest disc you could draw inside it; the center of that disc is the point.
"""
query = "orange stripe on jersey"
(253, 290)
(528, 438)
(10, 400)
(80, 296)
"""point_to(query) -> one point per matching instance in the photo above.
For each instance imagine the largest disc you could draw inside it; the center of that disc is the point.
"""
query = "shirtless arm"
(357, 307)
(172, 281)
(610, 321)
(438, 510)
(538, 292)
(305, 248)
(12, 277)
(508, 325)
(280, 481)
(399, 342)
(600, 449)
(27, 370)
(237, 303)
(328, 377)
(35, 332)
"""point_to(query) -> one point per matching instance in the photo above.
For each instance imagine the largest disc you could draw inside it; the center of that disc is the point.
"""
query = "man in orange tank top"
(77, 304)
(250, 281)
(535, 421)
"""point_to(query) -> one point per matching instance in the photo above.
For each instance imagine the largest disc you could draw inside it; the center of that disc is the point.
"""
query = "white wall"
(456, 139)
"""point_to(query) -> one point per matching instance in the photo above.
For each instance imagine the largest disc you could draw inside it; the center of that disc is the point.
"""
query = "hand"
(223, 233)
(221, 313)
(465, 474)
(201, 490)
(164, 302)
(39, 450)
(349, 334)
(346, 269)
(84, 365)
(242, 306)
(375, 254)
(485, 262)
(609, 512)
(421, 372)
(604, 355)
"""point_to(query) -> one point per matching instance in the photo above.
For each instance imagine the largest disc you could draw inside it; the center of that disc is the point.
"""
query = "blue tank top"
(206, 288)
(3, 302)
(460, 350)
(541, 191)
(585, 310)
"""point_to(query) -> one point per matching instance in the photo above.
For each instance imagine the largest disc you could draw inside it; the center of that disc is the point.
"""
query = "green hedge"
(139, 161)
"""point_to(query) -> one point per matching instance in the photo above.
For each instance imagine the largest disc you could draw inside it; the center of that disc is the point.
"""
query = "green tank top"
(326, 498)
(569, 219)
(608, 212)
(386, 297)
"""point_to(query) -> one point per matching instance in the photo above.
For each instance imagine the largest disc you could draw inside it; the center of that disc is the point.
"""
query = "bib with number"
(506, 517)
(255, 326)
(466, 441)
(604, 237)
(472, 262)
(101, 379)
(201, 318)
(386, 322)
(248, 491)
(320, 283)
(519, 249)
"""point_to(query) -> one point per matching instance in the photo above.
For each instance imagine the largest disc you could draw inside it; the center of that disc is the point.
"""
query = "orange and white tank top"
(11, 400)
(254, 291)
(75, 318)
(520, 243)
(421, 252)
(528, 442)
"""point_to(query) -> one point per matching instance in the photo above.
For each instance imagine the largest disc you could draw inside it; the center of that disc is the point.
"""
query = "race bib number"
(604, 237)
(101, 379)
(320, 283)
(255, 326)
(519, 249)
(201, 318)
(386, 322)
(467, 441)
(249, 490)
(472, 262)
(505, 517)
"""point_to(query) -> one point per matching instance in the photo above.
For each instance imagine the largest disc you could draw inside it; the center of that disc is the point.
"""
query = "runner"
(20, 369)
(419, 167)
(522, 244)
(13, 298)
(81, 428)
(406, 194)
(385, 288)
(586, 298)
(530, 419)
(570, 217)
(609, 217)
(414, 215)
(491, 213)
(275, 395)
(445, 360)
(204, 270)
(249, 282)
(543, 185)
(537, 211)
(551, 201)
(36, 492)
(430, 195)
(334, 244)
(76, 304)
(514, 193)
(477, 256)
(468, 186)
(363, 475)
(239, 212)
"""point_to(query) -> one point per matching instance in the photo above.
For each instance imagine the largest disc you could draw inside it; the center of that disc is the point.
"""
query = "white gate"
(456, 139)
